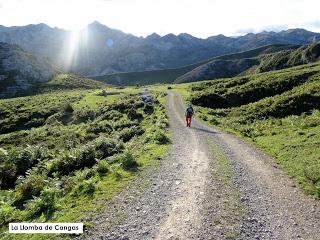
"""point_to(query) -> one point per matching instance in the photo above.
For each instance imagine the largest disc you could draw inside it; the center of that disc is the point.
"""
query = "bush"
(8, 171)
(102, 167)
(9, 214)
(68, 108)
(128, 161)
(124, 124)
(149, 108)
(112, 115)
(106, 147)
(86, 187)
(3, 155)
(85, 156)
(128, 133)
(27, 158)
(100, 127)
(46, 203)
(29, 187)
(134, 115)
(160, 137)
(79, 159)
(85, 114)
(8, 175)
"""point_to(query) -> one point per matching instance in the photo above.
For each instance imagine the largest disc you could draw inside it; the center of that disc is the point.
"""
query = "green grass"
(278, 111)
(67, 171)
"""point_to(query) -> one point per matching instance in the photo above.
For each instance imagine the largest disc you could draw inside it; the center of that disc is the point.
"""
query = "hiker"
(189, 112)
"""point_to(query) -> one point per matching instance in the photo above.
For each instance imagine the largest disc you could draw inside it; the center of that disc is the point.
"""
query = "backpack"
(189, 111)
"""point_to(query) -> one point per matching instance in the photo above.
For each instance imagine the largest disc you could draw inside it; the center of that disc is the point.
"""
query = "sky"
(201, 18)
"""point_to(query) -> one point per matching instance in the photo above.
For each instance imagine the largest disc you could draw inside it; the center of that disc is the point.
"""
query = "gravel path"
(188, 197)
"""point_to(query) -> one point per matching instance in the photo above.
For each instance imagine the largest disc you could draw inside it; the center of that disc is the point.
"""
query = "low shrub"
(29, 187)
(106, 147)
(28, 157)
(86, 187)
(128, 133)
(118, 125)
(100, 127)
(160, 137)
(128, 161)
(8, 175)
(103, 167)
(9, 214)
(85, 114)
(85, 156)
(46, 203)
(68, 108)
(112, 115)
(77, 159)
(149, 108)
(134, 115)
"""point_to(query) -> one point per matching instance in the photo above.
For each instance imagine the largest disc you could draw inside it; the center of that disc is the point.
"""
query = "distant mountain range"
(99, 50)
(216, 67)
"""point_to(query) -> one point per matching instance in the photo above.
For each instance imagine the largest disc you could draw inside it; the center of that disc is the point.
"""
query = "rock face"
(98, 50)
(19, 70)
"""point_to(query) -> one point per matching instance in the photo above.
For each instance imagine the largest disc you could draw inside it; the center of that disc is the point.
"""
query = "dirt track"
(188, 198)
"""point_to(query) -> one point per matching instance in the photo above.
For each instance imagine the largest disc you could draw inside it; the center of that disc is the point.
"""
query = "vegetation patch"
(59, 168)
(278, 111)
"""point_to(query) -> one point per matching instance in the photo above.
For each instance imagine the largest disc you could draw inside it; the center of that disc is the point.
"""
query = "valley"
(112, 150)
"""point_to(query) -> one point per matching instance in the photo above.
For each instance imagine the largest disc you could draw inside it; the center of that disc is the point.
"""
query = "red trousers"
(188, 120)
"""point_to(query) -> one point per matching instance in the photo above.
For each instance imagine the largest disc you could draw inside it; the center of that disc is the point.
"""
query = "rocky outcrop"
(20, 70)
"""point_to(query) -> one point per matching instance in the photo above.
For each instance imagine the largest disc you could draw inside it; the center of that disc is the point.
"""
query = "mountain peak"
(296, 30)
(38, 26)
(153, 36)
(97, 25)
(186, 35)
(169, 36)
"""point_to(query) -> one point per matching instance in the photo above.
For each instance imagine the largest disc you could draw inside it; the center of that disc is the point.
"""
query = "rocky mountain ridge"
(99, 50)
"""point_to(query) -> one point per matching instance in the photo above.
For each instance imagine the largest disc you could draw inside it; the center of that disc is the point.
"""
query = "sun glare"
(77, 39)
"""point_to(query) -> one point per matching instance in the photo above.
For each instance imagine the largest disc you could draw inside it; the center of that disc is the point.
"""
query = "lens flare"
(74, 47)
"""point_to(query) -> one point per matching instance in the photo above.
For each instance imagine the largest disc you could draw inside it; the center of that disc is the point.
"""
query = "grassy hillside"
(263, 61)
(218, 69)
(170, 75)
(289, 58)
(62, 152)
(279, 111)
(230, 65)
(67, 81)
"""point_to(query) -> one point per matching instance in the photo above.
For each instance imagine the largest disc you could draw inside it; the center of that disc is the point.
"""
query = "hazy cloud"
(277, 28)
(201, 18)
